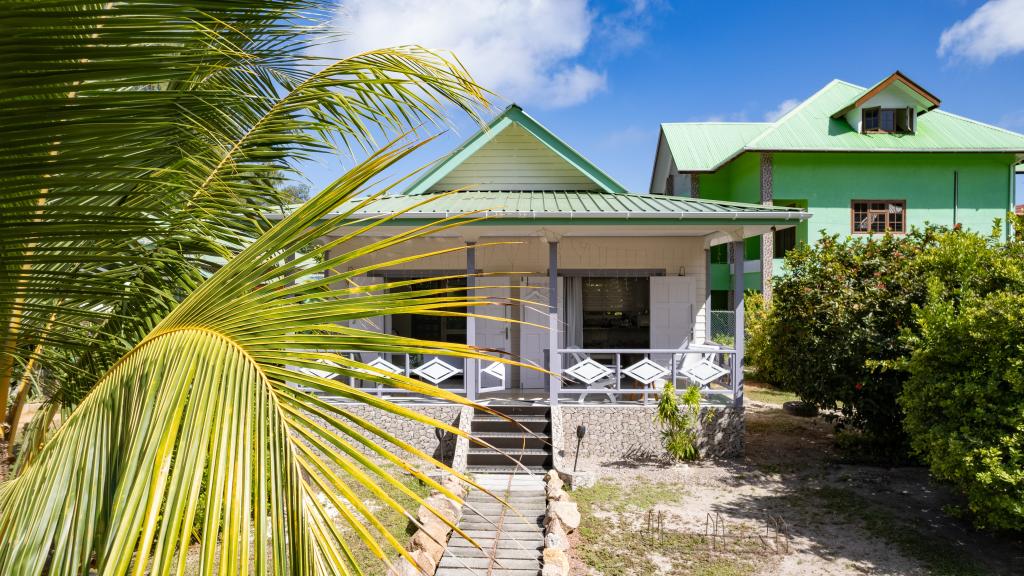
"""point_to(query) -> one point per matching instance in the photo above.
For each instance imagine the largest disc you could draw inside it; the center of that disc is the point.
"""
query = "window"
(887, 120)
(616, 312)
(437, 328)
(785, 240)
(878, 216)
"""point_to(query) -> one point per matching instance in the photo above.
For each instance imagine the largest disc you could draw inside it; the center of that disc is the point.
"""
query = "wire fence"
(723, 327)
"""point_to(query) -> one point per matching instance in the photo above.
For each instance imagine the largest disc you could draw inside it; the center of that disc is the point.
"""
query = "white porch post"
(554, 359)
(707, 295)
(470, 374)
(737, 298)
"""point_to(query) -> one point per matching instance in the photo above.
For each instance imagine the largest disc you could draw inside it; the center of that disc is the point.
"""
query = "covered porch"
(607, 295)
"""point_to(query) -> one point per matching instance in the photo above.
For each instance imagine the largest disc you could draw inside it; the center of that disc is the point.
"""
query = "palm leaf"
(212, 403)
(145, 142)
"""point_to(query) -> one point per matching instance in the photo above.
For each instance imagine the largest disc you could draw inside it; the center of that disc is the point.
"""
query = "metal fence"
(723, 326)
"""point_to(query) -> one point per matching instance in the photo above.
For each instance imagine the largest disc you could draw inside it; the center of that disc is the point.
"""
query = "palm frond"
(212, 403)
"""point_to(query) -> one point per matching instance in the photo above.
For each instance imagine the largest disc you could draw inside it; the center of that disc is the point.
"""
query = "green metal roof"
(573, 204)
(705, 146)
(513, 114)
(810, 127)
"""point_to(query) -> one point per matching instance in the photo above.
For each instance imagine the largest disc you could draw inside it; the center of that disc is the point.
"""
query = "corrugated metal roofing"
(702, 147)
(810, 126)
(571, 204)
(705, 146)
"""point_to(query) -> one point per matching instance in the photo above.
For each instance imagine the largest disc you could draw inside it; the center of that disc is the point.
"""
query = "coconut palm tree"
(144, 143)
(141, 151)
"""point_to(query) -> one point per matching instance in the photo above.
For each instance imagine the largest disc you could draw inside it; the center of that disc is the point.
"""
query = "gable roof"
(928, 100)
(811, 127)
(513, 115)
(705, 146)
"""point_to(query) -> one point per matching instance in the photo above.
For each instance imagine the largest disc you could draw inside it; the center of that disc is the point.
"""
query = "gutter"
(619, 215)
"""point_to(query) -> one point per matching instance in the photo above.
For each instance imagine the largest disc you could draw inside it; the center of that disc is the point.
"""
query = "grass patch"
(614, 498)
(939, 560)
(395, 522)
(614, 539)
(768, 394)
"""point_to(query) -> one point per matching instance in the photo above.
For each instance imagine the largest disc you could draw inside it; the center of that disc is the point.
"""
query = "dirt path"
(843, 519)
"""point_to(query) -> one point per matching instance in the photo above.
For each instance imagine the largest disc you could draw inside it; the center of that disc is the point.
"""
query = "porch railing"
(639, 374)
(444, 372)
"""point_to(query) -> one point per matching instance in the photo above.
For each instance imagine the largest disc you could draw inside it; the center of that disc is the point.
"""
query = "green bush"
(678, 414)
(964, 401)
(758, 355)
(833, 332)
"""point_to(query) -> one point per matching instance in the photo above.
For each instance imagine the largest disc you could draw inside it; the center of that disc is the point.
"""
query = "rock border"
(429, 542)
(561, 518)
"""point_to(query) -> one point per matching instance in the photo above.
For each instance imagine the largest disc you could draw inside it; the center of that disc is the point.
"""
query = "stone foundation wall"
(631, 433)
(440, 445)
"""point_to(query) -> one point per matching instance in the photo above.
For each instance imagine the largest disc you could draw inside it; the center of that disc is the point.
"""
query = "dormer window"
(887, 120)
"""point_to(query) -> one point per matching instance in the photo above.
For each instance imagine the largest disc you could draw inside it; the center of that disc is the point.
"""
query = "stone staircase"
(511, 540)
(532, 449)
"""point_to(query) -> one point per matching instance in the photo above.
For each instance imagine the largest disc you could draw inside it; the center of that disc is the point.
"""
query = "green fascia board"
(514, 114)
(707, 146)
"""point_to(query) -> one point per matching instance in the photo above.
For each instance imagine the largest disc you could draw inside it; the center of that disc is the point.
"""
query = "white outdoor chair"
(602, 384)
(691, 361)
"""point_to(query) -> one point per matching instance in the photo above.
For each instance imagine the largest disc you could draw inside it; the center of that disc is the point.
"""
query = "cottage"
(610, 288)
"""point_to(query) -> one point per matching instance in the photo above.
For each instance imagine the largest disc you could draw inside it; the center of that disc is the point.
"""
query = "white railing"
(601, 373)
(445, 372)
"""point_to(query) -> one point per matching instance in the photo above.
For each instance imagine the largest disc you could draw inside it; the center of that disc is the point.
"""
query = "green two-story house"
(860, 160)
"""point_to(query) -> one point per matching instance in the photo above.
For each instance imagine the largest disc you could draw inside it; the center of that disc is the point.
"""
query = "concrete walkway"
(511, 541)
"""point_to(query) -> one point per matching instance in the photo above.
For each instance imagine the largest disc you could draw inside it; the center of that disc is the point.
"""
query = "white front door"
(534, 339)
(493, 334)
(672, 316)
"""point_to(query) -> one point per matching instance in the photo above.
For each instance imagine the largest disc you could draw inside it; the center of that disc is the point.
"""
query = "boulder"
(556, 562)
(565, 511)
(558, 495)
(403, 567)
(444, 505)
(422, 540)
(553, 484)
(454, 485)
(555, 528)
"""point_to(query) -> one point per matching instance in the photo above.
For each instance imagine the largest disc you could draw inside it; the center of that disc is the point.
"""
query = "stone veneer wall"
(623, 432)
(416, 433)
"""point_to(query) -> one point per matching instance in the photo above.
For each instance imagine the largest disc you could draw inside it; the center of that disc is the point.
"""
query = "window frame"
(853, 217)
(910, 120)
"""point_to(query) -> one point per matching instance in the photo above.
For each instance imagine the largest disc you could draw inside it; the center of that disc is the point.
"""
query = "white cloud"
(524, 51)
(996, 29)
(784, 107)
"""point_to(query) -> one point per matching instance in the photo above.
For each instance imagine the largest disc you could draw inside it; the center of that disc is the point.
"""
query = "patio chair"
(692, 360)
(604, 383)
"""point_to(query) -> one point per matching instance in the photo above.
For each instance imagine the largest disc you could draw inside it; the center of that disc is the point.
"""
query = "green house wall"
(828, 182)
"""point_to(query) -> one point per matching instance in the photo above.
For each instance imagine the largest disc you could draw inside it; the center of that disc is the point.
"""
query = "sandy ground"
(842, 519)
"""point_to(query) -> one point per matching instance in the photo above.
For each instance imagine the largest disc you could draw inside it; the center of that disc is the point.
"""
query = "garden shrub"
(758, 355)
(964, 401)
(833, 332)
(678, 414)
(964, 398)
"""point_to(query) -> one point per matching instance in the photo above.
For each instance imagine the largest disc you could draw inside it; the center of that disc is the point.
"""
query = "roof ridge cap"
(750, 145)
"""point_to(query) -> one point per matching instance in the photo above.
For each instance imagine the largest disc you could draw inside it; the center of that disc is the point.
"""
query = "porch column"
(737, 298)
(554, 359)
(470, 373)
(707, 295)
(768, 238)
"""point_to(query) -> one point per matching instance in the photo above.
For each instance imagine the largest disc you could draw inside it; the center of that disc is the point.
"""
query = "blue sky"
(603, 74)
